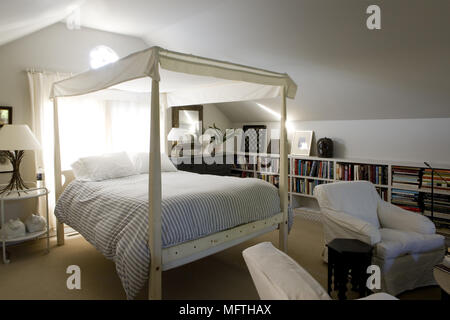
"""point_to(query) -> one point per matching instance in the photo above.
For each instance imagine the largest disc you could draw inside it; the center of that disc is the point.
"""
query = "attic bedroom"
(224, 150)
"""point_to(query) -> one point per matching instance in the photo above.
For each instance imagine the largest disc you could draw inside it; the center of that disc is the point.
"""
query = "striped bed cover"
(113, 214)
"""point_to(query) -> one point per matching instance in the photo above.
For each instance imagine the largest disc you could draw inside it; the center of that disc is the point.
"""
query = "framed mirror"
(189, 118)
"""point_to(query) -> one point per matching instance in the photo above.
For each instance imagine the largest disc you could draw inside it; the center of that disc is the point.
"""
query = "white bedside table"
(22, 195)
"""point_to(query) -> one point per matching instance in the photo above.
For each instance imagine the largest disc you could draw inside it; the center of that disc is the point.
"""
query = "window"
(101, 56)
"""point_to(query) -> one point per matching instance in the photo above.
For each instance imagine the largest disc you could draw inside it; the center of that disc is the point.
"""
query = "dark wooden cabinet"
(203, 168)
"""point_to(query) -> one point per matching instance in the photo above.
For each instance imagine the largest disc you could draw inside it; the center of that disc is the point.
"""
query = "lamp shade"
(17, 137)
(176, 134)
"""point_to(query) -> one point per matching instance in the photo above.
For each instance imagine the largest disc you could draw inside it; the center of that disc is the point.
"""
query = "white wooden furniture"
(185, 80)
(306, 204)
(406, 246)
(23, 195)
(278, 277)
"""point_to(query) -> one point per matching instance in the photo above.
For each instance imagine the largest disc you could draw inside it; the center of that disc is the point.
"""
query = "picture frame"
(5, 118)
(5, 115)
(301, 143)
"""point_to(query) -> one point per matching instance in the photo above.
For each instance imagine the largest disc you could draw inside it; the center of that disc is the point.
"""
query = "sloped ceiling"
(343, 70)
(19, 18)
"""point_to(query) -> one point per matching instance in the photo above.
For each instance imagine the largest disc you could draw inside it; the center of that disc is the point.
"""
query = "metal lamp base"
(16, 183)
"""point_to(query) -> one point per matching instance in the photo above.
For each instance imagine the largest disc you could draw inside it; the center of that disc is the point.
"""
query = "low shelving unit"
(405, 184)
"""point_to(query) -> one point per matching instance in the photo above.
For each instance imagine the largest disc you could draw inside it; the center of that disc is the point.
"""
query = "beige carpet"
(32, 274)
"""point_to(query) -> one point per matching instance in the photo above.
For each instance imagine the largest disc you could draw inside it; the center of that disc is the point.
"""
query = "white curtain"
(102, 122)
(40, 84)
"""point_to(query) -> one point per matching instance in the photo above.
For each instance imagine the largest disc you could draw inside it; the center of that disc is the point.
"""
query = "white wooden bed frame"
(190, 251)
(165, 259)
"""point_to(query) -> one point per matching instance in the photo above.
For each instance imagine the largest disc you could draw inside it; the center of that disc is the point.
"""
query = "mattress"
(113, 214)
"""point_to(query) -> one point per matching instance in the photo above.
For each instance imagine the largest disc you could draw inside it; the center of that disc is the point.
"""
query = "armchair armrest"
(394, 217)
(339, 224)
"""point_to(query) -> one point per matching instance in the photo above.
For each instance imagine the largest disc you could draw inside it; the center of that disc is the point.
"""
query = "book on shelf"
(441, 205)
(383, 192)
(442, 217)
(273, 179)
(412, 191)
(377, 174)
(407, 199)
(313, 168)
(305, 186)
(441, 182)
(407, 176)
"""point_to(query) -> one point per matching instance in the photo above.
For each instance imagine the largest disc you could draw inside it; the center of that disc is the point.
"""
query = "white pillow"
(107, 166)
(141, 162)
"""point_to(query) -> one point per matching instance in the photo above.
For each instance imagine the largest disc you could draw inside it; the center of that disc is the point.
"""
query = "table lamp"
(14, 139)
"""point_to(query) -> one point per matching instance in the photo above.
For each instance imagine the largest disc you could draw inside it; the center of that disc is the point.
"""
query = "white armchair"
(278, 277)
(406, 246)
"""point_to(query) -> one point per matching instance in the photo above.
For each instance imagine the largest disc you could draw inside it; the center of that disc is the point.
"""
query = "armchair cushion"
(357, 198)
(394, 217)
(396, 243)
(342, 225)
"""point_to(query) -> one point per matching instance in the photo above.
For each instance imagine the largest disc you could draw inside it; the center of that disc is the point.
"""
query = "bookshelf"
(261, 166)
(405, 184)
(244, 166)
(411, 190)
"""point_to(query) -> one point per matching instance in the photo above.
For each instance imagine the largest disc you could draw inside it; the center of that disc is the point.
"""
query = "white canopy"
(185, 79)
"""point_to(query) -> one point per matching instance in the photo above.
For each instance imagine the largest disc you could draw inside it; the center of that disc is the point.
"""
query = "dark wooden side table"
(348, 257)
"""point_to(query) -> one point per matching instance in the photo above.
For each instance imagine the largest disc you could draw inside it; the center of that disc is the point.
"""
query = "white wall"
(212, 114)
(414, 140)
(54, 49)
(344, 71)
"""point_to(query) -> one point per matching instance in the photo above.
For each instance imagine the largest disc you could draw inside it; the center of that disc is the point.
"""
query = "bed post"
(283, 230)
(57, 165)
(154, 197)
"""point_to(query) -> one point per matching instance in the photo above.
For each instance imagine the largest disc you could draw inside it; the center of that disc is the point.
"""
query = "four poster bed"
(222, 211)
